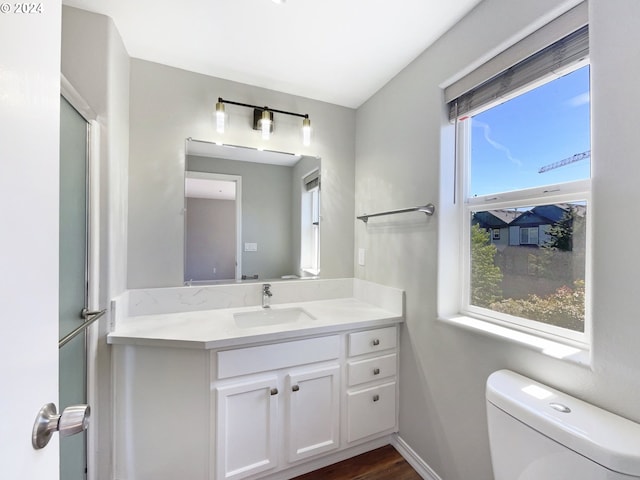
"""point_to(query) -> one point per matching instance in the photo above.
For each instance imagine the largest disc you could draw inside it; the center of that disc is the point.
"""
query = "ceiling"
(339, 52)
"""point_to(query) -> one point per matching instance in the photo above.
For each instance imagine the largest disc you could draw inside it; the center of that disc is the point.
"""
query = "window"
(529, 236)
(524, 160)
(310, 225)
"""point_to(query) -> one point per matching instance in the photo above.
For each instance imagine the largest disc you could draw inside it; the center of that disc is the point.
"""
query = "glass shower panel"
(73, 280)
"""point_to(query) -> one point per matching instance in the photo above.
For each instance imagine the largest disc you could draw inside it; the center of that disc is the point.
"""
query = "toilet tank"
(536, 433)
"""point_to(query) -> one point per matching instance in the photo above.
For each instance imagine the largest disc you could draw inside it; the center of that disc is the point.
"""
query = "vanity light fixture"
(306, 131)
(265, 122)
(220, 117)
(263, 119)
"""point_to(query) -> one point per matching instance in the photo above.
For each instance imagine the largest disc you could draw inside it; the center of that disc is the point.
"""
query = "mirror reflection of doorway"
(212, 204)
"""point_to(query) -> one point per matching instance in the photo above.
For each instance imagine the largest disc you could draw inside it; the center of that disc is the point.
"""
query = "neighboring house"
(496, 222)
(530, 227)
(511, 229)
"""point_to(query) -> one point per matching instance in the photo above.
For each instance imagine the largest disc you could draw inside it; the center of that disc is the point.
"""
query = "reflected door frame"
(72, 96)
(237, 179)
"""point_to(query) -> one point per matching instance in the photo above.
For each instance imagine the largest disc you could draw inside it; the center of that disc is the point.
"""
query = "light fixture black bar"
(302, 115)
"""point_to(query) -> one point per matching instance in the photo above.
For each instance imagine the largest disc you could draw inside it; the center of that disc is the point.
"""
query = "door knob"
(74, 419)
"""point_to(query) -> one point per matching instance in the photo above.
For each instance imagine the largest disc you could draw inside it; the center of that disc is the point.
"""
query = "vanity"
(209, 385)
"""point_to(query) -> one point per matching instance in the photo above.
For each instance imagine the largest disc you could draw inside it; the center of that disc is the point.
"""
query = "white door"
(29, 162)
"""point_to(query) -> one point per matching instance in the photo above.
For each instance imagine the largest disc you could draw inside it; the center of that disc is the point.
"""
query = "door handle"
(74, 419)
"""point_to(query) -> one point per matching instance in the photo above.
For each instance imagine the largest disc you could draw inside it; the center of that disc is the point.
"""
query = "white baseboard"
(418, 464)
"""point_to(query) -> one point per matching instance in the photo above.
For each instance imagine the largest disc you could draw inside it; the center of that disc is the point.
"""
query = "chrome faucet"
(266, 295)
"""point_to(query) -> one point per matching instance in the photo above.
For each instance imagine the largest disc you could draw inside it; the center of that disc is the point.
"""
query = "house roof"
(487, 220)
(495, 218)
(548, 214)
(538, 215)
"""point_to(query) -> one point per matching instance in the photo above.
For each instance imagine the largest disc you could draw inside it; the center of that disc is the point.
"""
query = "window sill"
(562, 351)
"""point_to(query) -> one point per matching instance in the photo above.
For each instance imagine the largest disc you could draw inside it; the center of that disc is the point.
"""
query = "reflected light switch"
(361, 256)
(250, 247)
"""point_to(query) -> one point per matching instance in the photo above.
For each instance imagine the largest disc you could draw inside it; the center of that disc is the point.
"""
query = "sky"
(512, 141)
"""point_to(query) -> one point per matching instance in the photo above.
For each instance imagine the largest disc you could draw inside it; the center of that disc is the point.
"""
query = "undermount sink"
(271, 316)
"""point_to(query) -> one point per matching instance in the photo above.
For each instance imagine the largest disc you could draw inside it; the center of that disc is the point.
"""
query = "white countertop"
(210, 329)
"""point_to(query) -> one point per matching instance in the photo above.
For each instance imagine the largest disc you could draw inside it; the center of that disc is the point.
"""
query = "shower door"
(74, 131)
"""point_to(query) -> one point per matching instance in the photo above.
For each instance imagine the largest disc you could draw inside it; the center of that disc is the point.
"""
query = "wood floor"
(384, 463)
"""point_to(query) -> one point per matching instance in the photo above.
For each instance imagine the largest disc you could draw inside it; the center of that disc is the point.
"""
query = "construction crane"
(566, 161)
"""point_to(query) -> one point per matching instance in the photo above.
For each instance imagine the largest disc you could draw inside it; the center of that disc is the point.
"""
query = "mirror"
(250, 214)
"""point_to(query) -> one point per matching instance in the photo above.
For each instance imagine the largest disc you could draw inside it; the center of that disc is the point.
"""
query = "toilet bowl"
(538, 433)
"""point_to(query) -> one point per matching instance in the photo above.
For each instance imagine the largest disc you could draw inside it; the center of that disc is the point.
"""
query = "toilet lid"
(605, 438)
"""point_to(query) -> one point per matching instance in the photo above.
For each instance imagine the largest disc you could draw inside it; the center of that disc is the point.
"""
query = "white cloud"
(579, 100)
(497, 145)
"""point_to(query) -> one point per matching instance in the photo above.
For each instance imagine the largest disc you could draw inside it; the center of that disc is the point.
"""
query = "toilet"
(538, 433)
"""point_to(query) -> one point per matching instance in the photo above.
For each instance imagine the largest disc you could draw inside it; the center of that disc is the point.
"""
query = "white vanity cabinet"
(371, 396)
(268, 420)
(273, 409)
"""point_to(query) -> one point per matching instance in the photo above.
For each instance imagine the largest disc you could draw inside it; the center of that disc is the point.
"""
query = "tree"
(562, 257)
(486, 277)
(561, 233)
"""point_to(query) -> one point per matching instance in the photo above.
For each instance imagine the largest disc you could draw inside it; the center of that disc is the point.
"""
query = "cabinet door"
(246, 428)
(313, 424)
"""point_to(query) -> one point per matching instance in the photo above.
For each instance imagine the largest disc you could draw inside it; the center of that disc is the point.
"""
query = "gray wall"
(96, 63)
(168, 105)
(444, 368)
(266, 213)
(210, 252)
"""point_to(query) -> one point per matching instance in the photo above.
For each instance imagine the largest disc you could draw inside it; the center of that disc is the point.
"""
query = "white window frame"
(310, 231)
(577, 191)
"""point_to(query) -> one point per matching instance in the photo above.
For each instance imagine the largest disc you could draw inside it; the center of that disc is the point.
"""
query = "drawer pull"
(274, 391)
(376, 397)
(376, 371)
(376, 342)
(295, 388)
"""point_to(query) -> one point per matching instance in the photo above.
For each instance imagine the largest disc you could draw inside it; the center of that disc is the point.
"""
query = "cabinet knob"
(274, 391)
(376, 371)
(376, 398)
(376, 342)
(295, 388)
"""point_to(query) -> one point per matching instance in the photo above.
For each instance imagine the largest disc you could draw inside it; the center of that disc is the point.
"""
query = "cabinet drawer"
(372, 341)
(242, 361)
(371, 369)
(371, 411)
